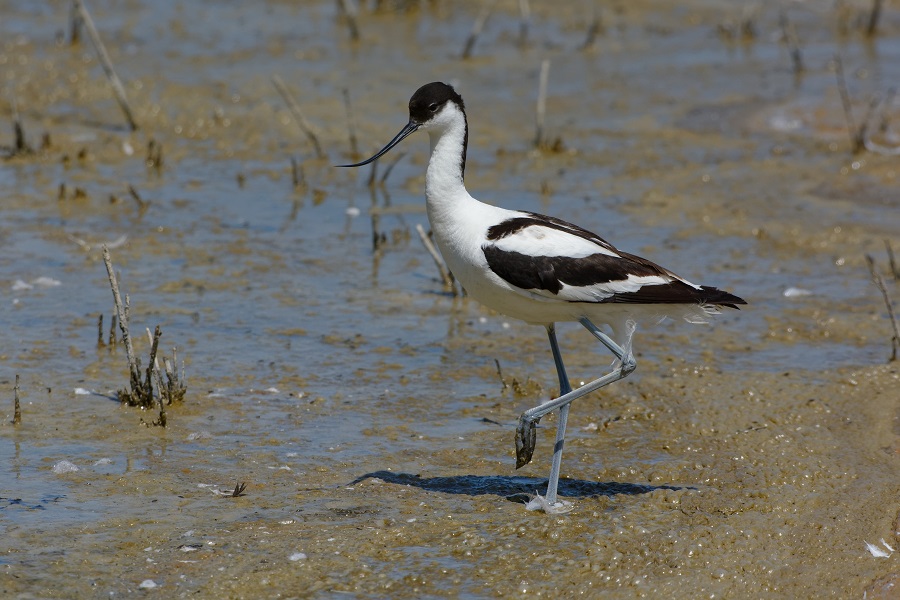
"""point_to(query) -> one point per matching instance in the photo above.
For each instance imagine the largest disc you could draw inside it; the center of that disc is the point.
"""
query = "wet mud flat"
(360, 405)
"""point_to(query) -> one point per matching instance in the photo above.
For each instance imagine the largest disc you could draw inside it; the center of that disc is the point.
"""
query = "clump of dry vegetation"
(140, 389)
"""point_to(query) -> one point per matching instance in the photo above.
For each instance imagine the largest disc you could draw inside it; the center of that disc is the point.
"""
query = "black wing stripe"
(678, 292)
(550, 272)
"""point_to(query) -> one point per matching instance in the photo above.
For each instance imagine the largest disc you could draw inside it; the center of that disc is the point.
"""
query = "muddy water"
(359, 403)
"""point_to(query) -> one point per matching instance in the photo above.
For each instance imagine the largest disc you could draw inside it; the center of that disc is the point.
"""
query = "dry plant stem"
(856, 143)
(895, 340)
(595, 25)
(17, 410)
(153, 373)
(541, 103)
(122, 312)
(153, 338)
(154, 158)
(351, 123)
(162, 402)
(500, 374)
(874, 15)
(391, 166)
(789, 34)
(174, 389)
(477, 27)
(100, 330)
(105, 61)
(74, 25)
(524, 20)
(152, 364)
(446, 278)
(377, 236)
(298, 178)
(112, 331)
(373, 174)
(862, 134)
(142, 204)
(21, 146)
(895, 270)
(349, 9)
(294, 107)
(885, 121)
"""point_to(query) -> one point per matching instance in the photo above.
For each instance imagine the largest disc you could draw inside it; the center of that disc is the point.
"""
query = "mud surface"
(358, 401)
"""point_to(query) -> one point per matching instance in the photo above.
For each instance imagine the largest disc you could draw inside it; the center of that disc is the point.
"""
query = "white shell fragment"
(795, 292)
(877, 552)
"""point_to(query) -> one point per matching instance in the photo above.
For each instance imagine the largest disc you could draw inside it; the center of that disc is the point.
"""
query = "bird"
(541, 270)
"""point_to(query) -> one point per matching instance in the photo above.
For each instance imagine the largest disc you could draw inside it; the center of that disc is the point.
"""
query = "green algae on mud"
(753, 458)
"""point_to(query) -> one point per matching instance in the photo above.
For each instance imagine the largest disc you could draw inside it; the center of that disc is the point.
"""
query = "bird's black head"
(430, 99)
(424, 106)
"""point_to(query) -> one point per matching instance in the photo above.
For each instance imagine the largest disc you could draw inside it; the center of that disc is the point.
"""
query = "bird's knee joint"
(628, 365)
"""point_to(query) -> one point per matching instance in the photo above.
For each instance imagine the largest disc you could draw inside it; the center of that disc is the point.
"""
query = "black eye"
(433, 107)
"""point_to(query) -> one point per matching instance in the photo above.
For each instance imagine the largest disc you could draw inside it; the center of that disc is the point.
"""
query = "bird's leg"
(526, 436)
(564, 388)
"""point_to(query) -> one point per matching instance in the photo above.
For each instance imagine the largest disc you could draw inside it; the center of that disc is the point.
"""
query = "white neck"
(444, 186)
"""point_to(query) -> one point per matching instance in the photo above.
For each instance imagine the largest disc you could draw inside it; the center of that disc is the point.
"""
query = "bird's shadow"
(513, 488)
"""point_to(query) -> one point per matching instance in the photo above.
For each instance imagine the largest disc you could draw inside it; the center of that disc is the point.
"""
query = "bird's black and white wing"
(553, 258)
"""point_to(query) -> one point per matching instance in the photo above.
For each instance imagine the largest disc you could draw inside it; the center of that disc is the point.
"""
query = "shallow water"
(358, 400)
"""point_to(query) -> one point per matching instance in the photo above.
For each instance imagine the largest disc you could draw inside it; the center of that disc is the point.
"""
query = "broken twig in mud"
(238, 490)
(173, 389)
(500, 374)
(879, 282)
(595, 25)
(446, 276)
(895, 270)
(75, 24)
(118, 88)
(142, 204)
(789, 36)
(373, 173)
(874, 15)
(153, 364)
(17, 409)
(348, 9)
(295, 109)
(524, 21)
(112, 331)
(541, 104)
(20, 145)
(154, 158)
(351, 124)
(122, 312)
(390, 167)
(479, 24)
(163, 418)
(857, 133)
(298, 177)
